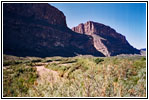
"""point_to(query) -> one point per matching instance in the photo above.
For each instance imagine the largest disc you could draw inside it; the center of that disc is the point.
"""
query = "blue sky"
(129, 19)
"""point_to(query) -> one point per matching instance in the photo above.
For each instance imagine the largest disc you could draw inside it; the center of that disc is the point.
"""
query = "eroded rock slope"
(39, 29)
(105, 39)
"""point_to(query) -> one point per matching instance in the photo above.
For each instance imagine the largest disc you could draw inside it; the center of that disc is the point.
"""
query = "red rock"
(105, 39)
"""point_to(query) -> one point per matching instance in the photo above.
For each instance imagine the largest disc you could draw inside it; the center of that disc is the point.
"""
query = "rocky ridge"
(39, 29)
(106, 40)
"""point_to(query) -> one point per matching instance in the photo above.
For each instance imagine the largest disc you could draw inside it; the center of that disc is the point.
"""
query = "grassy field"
(81, 76)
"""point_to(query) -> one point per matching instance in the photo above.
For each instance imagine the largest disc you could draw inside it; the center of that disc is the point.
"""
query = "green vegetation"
(17, 79)
(98, 60)
(79, 76)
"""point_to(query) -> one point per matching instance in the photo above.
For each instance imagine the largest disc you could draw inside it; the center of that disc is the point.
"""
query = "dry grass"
(92, 77)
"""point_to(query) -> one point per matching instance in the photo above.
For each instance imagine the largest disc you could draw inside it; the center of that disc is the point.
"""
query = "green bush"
(13, 62)
(17, 80)
(36, 60)
(82, 77)
(98, 60)
(143, 58)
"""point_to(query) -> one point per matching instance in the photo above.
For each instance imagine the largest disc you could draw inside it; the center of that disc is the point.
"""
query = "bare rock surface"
(39, 29)
(105, 39)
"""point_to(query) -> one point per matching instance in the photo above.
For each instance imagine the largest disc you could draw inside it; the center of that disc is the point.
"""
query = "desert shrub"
(11, 62)
(67, 60)
(143, 58)
(56, 67)
(53, 66)
(98, 60)
(17, 80)
(85, 77)
(36, 60)
(138, 64)
(47, 60)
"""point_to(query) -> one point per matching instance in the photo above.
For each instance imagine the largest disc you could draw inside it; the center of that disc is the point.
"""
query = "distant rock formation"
(105, 39)
(143, 51)
(31, 29)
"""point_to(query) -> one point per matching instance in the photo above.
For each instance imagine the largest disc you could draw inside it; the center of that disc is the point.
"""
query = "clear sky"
(129, 19)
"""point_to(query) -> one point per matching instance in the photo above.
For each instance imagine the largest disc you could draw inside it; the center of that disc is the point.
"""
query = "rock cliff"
(31, 29)
(105, 39)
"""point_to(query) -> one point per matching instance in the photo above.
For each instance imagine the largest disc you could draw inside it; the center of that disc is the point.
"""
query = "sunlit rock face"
(31, 29)
(105, 39)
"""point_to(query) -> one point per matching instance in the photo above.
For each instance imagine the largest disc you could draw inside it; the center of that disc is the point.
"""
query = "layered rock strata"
(105, 39)
(39, 29)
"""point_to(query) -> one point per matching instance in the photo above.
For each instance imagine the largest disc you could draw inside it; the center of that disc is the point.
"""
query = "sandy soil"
(46, 74)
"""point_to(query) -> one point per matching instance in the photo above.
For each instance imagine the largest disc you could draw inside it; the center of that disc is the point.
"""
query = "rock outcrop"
(143, 51)
(106, 40)
(31, 29)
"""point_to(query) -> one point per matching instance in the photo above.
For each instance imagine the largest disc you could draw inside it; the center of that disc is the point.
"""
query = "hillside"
(42, 57)
(40, 30)
(106, 40)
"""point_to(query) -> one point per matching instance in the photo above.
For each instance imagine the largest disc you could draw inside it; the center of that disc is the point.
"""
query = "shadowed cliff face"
(31, 29)
(106, 40)
(43, 12)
